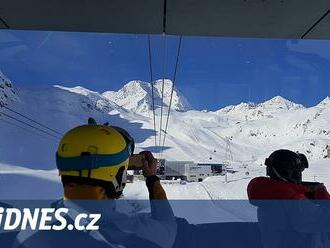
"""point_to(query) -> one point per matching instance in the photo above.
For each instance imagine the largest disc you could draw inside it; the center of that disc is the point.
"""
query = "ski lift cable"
(315, 24)
(152, 88)
(30, 119)
(4, 23)
(21, 127)
(27, 124)
(171, 97)
(163, 85)
(25, 129)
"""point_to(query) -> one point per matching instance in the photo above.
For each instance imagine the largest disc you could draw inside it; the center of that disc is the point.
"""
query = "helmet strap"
(278, 174)
(119, 181)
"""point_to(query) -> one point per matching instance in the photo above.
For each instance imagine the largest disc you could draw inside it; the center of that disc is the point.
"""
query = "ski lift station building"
(187, 170)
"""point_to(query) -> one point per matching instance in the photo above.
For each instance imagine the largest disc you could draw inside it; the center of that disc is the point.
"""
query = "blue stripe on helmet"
(92, 161)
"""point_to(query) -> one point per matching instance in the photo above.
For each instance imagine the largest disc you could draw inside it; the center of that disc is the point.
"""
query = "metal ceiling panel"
(112, 16)
(244, 18)
(289, 19)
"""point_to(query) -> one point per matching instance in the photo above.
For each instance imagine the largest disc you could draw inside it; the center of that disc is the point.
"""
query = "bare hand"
(149, 164)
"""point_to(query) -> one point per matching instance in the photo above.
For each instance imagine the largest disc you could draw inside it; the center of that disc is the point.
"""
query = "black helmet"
(286, 165)
(303, 160)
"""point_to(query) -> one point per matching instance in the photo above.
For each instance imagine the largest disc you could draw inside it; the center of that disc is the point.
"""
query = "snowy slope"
(60, 109)
(254, 131)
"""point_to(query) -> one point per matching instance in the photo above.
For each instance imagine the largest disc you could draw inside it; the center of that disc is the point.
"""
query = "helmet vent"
(105, 131)
(92, 149)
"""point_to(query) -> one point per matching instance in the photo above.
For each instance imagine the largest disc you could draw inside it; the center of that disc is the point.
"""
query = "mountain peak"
(137, 96)
(136, 84)
(277, 100)
(280, 102)
(167, 83)
(254, 111)
(325, 102)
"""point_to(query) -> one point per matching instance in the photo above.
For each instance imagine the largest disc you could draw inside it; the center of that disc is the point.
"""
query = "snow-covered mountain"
(136, 96)
(324, 103)
(251, 111)
(7, 91)
(89, 100)
(253, 130)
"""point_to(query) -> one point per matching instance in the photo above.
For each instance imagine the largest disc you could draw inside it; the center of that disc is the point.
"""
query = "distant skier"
(295, 220)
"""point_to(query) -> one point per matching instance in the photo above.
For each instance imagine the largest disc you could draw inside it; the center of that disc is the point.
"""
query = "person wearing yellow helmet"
(93, 161)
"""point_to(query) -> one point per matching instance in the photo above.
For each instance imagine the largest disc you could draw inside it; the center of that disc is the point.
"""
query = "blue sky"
(213, 72)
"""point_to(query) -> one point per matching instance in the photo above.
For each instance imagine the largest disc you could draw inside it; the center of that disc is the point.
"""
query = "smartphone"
(136, 162)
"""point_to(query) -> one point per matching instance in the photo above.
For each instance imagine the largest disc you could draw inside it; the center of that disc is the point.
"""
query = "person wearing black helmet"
(285, 165)
(288, 216)
(284, 181)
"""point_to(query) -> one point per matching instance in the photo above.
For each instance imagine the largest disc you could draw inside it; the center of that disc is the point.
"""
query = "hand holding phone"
(136, 162)
(149, 164)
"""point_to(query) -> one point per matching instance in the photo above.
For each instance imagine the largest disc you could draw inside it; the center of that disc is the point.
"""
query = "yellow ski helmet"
(95, 155)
